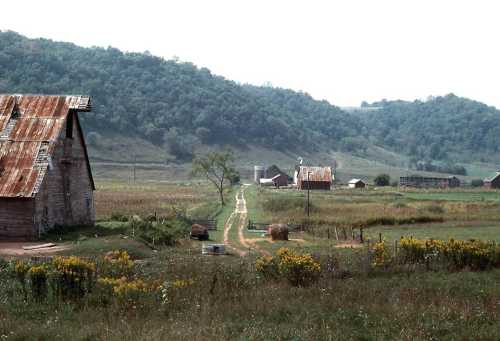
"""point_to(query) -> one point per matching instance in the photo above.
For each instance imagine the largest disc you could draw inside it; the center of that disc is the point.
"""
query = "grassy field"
(146, 198)
(227, 298)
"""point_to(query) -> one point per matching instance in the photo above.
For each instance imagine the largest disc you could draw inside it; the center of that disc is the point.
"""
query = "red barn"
(280, 180)
(493, 182)
(307, 177)
(45, 175)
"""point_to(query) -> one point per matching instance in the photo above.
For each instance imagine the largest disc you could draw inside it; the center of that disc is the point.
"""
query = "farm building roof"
(315, 173)
(493, 177)
(29, 127)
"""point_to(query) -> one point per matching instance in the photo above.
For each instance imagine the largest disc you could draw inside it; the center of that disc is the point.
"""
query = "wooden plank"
(40, 246)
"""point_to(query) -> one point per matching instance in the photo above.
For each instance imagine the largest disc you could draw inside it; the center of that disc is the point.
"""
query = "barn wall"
(66, 196)
(315, 185)
(496, 182)
(281, 181)
(16, 219)
(82, 193)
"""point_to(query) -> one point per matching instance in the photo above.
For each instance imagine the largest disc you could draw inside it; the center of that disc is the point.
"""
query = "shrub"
(116, 264)
(382, 180)
(458, 254)
(381, 255)
(118, 216)
(299, 269)
(163, 232)
(124, 287)
(38, 279)
(21, 268)
(267, 266)
(72, 277)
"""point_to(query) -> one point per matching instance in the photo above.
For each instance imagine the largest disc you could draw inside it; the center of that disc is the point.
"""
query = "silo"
(259, 173)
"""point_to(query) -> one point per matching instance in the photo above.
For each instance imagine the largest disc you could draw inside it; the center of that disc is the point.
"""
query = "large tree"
(218, 168)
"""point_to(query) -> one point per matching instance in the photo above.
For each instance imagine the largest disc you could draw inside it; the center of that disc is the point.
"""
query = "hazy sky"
(344, 51)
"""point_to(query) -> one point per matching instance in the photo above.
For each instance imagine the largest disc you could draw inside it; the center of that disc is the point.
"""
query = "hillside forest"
(179, 107)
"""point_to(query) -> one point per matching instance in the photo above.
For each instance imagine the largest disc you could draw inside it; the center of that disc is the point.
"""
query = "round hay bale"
(199, 231)
(278, 231)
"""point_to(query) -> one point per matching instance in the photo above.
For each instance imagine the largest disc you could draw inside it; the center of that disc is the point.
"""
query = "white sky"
(344, 51)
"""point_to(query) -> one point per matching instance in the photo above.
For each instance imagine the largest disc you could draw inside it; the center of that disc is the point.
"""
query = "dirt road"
(239, 215)
(239, 218)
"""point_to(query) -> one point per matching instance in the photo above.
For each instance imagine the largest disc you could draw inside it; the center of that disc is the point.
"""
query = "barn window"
(69, 126)
(15, 112)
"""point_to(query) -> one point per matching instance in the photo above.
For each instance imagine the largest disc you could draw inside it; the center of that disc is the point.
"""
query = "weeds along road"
(238, 217)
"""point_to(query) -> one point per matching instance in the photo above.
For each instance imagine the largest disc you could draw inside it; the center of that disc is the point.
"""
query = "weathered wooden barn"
(493, 182)
(429, 182)
(356, 183)
(307, 177)
(45, 175)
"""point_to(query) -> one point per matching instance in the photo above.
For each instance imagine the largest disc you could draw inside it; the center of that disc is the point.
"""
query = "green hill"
(442, 128)
(169, 104)
(153, 110)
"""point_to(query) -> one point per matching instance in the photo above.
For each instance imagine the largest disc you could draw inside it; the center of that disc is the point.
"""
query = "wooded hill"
(177, 107)
(168, 102)
(440, 128)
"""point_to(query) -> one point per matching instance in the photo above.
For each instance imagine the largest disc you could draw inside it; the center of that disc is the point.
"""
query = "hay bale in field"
(199, 231)
(278, 231)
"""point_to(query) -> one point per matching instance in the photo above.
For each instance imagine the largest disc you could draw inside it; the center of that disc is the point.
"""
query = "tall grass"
(228, 300)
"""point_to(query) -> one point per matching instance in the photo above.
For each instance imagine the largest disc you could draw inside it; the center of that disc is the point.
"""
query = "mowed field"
(225, 297)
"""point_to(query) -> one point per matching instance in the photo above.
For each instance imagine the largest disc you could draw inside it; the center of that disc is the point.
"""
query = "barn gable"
(307, 177)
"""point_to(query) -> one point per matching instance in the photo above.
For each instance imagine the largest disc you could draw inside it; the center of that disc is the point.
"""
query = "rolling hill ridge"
(166, 110)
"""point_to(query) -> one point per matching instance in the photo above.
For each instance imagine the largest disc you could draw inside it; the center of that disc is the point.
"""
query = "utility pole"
(308, 188)
(135, 161)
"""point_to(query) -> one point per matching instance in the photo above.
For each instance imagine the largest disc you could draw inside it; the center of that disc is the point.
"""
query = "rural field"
(323, 283)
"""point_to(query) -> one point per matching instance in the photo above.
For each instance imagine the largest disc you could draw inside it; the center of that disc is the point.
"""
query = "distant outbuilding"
(280, 180)
(356, 183)
(493, 182)
(429, 182)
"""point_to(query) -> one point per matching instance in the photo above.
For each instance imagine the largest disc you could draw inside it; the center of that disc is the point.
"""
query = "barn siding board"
(16, 219)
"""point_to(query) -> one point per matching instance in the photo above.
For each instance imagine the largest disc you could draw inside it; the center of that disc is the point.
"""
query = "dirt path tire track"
(241, 211)
(230, 222)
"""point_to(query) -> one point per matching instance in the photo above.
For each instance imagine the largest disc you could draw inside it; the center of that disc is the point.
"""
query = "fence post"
(380, 237)
(361, 235)
(328, 233)
(336, 233)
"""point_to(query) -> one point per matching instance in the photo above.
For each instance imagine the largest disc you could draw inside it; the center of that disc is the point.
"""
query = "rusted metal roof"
(29, 127)
(315, 173)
